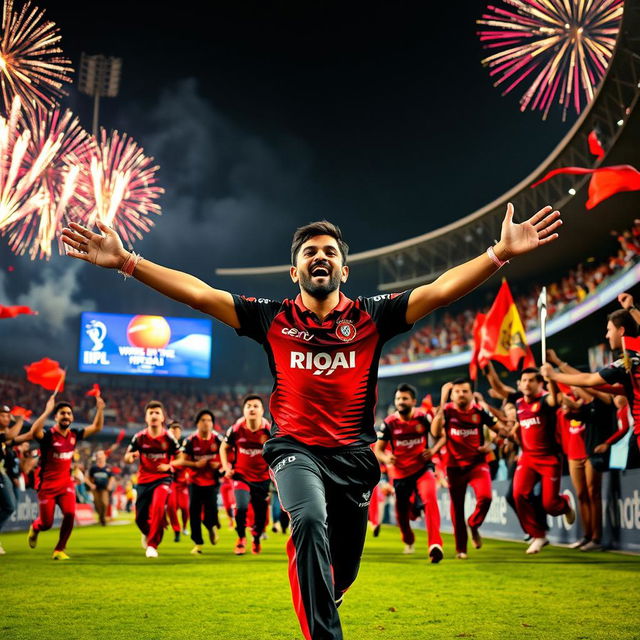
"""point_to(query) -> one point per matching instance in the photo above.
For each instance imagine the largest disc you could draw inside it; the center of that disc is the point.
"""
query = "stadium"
(462, 439)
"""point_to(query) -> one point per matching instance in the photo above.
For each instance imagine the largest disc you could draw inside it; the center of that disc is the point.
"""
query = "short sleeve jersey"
(153, 453)
(56, 456)
(617, 373)
(325, 373)
(465, 433)
(249, 464)
(538, 434)
(181, 475)
(100, 476)
(408, 439)
(572, 431)
(197, 448)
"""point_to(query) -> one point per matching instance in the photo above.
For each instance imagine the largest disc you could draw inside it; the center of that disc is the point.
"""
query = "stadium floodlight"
(99, 76)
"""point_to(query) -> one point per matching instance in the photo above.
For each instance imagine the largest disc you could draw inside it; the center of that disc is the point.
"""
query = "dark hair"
(174, 424)
(622, 318)
(539, 376)
(407, 388)
(462, 381)
(61, 405)
(154, 404)
(204, 412)
(319, 228)
(252, 396)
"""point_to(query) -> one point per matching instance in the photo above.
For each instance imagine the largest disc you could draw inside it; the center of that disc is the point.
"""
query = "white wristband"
(494, 258)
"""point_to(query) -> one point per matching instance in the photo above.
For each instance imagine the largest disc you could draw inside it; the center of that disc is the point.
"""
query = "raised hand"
(105, 250)
(625, 300)
(538, 230)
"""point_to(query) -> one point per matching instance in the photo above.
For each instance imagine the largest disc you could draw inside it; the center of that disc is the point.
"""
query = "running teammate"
(461, 421)
(178, 501)
(323, 350)
(101, 482)
(200, 453)
(249, 471)
(540, 459)
(57, 446)
(407, 431)
(154, 447)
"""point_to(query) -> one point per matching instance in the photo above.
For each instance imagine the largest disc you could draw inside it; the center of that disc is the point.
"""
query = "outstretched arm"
(98, 420)
(106, 250)
(572, 379)
(37, 428)
(515, 240)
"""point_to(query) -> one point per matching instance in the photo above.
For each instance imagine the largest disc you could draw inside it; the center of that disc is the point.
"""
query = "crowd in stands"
(447, 332)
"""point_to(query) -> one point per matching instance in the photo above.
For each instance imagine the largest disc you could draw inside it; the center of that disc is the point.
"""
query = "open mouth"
(320, 272)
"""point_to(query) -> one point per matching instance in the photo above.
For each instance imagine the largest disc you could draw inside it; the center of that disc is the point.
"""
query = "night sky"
(267, 115)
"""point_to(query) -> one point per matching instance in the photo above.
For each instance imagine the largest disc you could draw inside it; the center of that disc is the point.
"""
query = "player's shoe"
(376, 531)
(462, 555)
(185, 532)
(255, 546)
(241, 547)
(151, 552)
(537, 545)
(2, 551)
(213, 535)
(570, 517)
(32, 538)
(197, 550)
(60, 555)
(143, 541)
(339, 601)
(176, 536)
(435, 553)
(476, 538)
(580, 543)
(592, 545)
(409, 548)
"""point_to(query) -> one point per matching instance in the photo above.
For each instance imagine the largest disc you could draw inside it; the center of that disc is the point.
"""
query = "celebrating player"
(407, 432)
(200, 453)
(178, 501)
(462, 423)
(540, 459)
(154, 447)
(323, 350)
(250, 472)
(57, 446)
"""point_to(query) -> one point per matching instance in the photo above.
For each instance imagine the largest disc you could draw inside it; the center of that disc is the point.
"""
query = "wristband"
(494, 258)
(129, 265)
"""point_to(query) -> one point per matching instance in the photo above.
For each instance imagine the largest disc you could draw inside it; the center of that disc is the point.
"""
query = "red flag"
(502, 334)
(565, 388)
(605, 182)
(631, 344)
(121, 434)
(12, 312)
(94, 391)
(21, 411)
(427, 403)
(47, 373)
(477, 328)
(594, 145)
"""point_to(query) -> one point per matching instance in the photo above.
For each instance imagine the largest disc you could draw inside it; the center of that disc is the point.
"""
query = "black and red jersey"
(628, 375)
(56, 457)
(325, 373)
(408, 439)
(181, 475)
(465, 433)
(153, 453)
(538, 429)
(197, 448)
(247, 445)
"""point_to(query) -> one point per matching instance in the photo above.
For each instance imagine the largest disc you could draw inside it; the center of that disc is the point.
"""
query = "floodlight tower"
(99, 76)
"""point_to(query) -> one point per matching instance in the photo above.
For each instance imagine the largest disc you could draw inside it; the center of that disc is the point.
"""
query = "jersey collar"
(343, 303)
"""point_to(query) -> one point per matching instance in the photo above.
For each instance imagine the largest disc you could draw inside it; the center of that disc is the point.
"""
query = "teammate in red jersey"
(154, 447)
(56, 487)
(541, 457)
(178, 502)
(200, 453)
(323, 349)
(407, 432)
(461, 421)
(250, 472)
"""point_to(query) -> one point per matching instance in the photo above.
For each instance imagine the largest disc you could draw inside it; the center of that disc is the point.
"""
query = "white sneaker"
(2, 551)
(409, 548)
(461, 555)
(579, 543)
(537, 545)
(592, 545)
(143, 541)
(151, 552)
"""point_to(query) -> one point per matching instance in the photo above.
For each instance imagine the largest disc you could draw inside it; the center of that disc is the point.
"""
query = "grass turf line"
(109, 591)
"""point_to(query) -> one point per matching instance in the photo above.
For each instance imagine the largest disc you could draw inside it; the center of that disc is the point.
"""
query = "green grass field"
(109, 590)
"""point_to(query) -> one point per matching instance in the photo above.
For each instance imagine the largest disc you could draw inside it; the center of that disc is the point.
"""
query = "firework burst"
(117, 186)
(561, 48)
(31, 66)
(60, 132)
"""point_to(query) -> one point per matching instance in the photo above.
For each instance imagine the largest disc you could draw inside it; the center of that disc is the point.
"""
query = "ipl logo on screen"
(97, 332)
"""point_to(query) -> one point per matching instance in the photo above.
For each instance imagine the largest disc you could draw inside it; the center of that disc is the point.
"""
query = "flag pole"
(542, 309)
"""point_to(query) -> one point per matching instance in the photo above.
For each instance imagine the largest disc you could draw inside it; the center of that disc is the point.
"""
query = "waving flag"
(47, 373)
(12, 312)
(478, 323)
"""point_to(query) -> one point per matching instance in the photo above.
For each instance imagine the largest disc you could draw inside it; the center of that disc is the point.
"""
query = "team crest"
(419, 428)
(345, 330)
(164, 446)
(535, 407)
(263, 438)
(475, 418)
